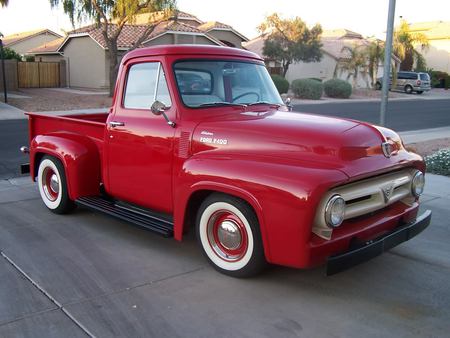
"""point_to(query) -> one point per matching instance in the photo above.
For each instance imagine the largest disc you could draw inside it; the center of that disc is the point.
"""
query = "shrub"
(337, 88)
(9, 53)
(439, 162)
(438, 78)
(281, 83)
(307, 89)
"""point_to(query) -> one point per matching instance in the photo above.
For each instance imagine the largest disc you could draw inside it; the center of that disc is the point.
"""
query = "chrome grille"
(366, 196)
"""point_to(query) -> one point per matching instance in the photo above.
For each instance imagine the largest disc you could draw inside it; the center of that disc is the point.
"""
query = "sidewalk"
(8, 112)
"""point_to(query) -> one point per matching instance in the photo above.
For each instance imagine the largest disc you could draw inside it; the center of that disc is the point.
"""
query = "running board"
(160, 226)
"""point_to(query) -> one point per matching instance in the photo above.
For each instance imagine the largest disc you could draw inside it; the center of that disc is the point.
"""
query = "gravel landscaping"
(426, 148)
(47, 99)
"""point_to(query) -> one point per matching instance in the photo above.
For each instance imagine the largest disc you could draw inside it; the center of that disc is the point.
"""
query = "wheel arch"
(199, 192)
(79, 157)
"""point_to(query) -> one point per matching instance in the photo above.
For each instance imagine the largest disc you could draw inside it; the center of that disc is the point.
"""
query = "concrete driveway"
(87, 274)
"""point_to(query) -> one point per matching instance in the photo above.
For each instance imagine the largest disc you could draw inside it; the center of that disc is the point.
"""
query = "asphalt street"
(402, 115)
(13, 135)
(86, 274)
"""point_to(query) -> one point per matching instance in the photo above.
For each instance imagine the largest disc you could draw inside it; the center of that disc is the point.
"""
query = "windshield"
(218, 83)
(424, 77)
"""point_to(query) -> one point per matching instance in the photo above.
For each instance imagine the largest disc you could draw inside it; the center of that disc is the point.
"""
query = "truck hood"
(322, 142)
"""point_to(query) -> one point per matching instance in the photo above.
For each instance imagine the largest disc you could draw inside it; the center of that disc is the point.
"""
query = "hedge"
(307, 89)
(338, 88)
(281, 83)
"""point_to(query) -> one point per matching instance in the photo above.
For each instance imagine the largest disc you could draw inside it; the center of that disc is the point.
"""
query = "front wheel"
(419, 92)
(53, 185)
(228, 232)
(408, 89)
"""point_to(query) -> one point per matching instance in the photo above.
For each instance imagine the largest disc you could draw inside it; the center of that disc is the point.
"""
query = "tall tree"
(404, 42)
(4, 3)
(355, 64)
(111, 16)
(289, 41)
(375, 54)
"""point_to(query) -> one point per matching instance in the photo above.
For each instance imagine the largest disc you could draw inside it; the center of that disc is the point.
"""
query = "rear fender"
(79, 156)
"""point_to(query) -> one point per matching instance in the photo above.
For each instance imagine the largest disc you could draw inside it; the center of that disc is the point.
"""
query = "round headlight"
(418, 183)
(335, 211)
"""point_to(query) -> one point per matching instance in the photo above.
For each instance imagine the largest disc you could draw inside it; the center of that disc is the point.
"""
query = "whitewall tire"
(228, 232)
(52, 185)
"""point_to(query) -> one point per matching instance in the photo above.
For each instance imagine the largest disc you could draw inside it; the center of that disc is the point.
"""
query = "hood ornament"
(387, 192)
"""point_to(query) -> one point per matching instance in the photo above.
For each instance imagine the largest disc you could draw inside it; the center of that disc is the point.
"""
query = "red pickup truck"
(198, 137)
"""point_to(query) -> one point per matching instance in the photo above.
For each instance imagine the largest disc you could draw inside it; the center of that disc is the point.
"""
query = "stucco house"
(437, 55)
(87, 56)
(333, 42)
(23, 42)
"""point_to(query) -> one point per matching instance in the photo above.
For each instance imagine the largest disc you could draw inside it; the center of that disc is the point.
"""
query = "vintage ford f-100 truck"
(198, 136)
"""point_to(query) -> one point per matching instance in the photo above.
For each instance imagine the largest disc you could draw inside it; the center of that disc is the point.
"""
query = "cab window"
(146, 83)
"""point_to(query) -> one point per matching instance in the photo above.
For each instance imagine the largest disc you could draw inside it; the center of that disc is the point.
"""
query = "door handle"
(114, 124)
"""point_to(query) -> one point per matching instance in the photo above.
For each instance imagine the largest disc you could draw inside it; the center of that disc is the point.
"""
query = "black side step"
(153, 223)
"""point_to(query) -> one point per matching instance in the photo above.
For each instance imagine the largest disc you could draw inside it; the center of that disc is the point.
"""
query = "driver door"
(140, 144)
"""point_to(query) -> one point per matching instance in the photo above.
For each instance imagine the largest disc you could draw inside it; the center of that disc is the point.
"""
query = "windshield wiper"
(223, 103)
(264, 102)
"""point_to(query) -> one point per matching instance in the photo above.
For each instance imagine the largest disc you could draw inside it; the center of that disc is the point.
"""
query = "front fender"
(79, 156)
(283, 195)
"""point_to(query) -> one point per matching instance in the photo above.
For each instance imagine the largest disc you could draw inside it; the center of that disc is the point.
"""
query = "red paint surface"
(280, 163)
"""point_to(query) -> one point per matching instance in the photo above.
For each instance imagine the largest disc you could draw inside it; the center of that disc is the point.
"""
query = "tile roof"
(341, 34)
(187, 16)
(434, 30)
(207, 26)
(15, 38)
(48, 47)
(173, 26)
(131, 33)
(128, 36)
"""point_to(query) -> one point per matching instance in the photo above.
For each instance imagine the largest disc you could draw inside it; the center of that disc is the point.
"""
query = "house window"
(146, 83)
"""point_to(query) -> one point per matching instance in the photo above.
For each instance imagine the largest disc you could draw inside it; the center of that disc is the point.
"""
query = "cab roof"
(201, 50)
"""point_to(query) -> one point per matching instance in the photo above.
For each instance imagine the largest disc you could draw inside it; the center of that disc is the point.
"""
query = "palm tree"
(355, 64)
(404, 42)
(375, 54)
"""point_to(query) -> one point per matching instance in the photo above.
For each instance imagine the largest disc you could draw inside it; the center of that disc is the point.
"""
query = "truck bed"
(90, 125)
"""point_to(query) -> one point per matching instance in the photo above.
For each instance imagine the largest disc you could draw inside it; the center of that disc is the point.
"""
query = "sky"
(367, 17)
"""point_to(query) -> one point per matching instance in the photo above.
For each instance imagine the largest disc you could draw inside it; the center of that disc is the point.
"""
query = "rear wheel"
(408, 89)
(228, 232)
(419, 91)
(378, 86)
(53, 185)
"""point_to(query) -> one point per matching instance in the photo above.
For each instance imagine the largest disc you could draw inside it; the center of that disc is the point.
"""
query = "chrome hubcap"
(50, 184)
(229, 235)
(54, 183)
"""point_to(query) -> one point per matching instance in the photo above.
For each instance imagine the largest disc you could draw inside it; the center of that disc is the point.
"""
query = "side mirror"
(288, 104)
(158, 108)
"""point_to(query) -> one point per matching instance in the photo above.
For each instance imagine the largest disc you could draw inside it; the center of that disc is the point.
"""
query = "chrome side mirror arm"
(158, 108)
